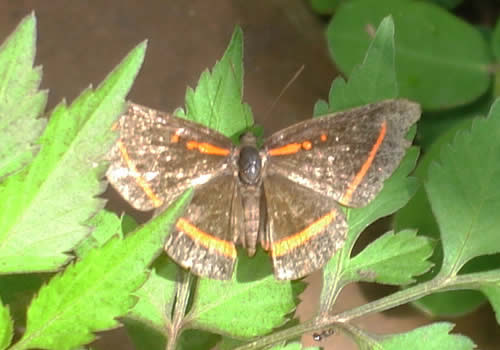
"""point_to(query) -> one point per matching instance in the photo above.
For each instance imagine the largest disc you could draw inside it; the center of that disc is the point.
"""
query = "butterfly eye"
(249, 164)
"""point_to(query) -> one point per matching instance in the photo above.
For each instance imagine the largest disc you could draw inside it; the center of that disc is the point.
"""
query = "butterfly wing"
(304, 229)
(346, 155)
(158, 156)
(203, 238)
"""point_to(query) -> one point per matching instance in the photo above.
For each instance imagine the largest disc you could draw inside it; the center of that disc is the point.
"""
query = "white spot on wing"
(120, 173)
(200, 180)
(150, 175)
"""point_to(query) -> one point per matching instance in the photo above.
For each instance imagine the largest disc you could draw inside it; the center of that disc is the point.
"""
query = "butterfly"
(285, 195)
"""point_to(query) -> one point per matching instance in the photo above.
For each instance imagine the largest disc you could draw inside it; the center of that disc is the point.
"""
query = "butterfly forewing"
(304, 229)
(346, 155)
(158, 156)
(203, 238)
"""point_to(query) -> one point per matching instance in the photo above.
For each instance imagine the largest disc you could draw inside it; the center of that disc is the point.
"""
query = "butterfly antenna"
(282, 92)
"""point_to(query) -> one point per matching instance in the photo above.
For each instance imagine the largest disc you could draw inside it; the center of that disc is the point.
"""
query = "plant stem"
(184, 281)
(340, 320)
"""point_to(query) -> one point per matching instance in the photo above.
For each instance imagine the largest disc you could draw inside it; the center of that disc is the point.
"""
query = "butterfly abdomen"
(251, 200)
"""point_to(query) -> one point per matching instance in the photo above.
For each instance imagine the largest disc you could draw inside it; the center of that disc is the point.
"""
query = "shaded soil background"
(79, 42)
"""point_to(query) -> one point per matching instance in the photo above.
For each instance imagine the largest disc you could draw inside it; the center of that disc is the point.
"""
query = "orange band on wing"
(174, 138)
(346, 198)
(291, 148)
(208, 241)
(207, 148)
(115, 126)
(285, 245)
(141, 182)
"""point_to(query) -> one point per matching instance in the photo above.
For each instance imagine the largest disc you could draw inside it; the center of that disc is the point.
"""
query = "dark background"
(79, 42)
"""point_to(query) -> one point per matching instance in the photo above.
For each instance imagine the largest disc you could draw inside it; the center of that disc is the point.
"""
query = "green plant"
(449, 67)
(48, 204)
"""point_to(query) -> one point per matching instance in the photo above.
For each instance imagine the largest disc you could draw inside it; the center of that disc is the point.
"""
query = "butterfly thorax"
(249, 162)
(250, 190)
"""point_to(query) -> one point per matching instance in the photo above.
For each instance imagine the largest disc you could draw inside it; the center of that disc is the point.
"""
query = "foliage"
(102, 275)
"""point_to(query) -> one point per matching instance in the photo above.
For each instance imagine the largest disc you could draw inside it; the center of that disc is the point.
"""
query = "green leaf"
(495, 48)
(44, 208)
(21, 103)
(457, 303)
(492, 291)
(464, 192)
(441, 61)
(17, 292)
(92, 293)
(196, 339)
(448, 4)
(324, 7)
(391, 259)
(156, 296)
(229, 343)
(397, 191)
(374, 80)
(128, 223)
(147, 323)
(433, 337)
(495, 40)
(144, 336)
(434, 124)
(247, 305)
(218, 94)
(106, 225)
(6, 327)
(452, 303)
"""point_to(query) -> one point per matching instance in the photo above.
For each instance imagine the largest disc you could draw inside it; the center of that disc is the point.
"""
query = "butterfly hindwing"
(203, 238)
(158, 156)
(304, 229)
(346, 155)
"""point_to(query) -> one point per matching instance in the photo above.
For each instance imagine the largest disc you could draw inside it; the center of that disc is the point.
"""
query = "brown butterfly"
(284, 196)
